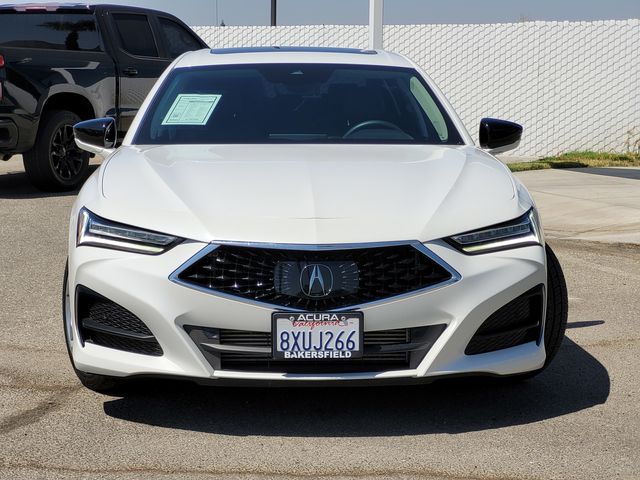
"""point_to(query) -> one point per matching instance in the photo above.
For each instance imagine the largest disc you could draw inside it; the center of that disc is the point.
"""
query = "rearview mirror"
(97, 136)
(499, 136)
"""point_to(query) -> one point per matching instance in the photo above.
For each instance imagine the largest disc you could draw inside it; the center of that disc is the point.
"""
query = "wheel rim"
(66, 157)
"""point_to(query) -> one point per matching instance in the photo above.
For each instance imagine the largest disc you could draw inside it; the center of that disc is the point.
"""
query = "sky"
(303, 12)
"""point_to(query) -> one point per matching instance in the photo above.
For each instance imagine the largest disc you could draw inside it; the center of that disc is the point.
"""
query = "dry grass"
(580, 160)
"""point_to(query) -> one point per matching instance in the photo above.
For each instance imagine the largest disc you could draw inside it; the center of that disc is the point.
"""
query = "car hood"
(319, 194)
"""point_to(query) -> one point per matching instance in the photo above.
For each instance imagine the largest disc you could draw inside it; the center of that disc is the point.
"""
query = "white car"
(298, 215)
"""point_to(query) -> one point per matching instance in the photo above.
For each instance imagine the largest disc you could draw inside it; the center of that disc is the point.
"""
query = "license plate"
(317, 336)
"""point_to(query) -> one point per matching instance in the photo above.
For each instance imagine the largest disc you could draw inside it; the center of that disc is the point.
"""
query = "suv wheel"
(56, 163)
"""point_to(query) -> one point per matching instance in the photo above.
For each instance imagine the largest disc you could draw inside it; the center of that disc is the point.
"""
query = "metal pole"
(375, 24)
(274, 10)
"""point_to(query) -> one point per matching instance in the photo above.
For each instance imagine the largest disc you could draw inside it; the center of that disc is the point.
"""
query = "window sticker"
(191, 109)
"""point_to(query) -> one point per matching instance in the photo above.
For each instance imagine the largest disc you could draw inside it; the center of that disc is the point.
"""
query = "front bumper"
(8, 135)
(141, 284)
(17, 132)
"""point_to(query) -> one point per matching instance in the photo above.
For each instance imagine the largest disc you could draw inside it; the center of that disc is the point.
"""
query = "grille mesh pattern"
(113, 315)
(360, 275)
(516, 323)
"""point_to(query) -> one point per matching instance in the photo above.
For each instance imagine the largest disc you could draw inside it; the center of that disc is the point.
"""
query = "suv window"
(135, 34)
(49, 30)
(179, 39)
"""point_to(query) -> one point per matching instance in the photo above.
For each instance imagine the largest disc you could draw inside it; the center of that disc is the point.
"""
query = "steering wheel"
(368, 123)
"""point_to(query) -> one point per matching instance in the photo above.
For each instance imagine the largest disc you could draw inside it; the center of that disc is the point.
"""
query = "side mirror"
(499, 135)
(97, 136)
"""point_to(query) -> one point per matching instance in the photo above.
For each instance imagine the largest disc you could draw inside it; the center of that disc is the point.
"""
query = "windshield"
(302, 103)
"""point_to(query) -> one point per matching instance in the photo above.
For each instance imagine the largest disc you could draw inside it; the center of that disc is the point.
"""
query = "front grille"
(518, 322)
(103, 322)
(384, 350)
(314, 280)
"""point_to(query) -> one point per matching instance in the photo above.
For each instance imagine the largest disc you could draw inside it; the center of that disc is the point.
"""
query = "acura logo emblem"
(316, 280)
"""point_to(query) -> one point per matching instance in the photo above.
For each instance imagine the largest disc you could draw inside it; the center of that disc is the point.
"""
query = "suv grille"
(314, 280)
(105, 323)
(384, 350)
(516, 323)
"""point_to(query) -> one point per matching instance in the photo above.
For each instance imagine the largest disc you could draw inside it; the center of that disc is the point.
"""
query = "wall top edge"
(630, 21)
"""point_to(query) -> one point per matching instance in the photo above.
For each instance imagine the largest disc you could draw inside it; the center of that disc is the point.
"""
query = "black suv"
(60, 64)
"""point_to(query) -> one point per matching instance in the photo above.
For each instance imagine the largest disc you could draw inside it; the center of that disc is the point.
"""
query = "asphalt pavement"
(578, 420)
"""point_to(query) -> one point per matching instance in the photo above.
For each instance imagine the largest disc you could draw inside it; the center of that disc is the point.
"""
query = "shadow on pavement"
(575, 381)
(16, 185)
(631, 173)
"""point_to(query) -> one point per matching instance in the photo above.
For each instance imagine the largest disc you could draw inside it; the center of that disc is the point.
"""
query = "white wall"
(572, 85)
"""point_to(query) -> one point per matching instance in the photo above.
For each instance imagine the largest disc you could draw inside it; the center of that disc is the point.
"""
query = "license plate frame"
(350, 318)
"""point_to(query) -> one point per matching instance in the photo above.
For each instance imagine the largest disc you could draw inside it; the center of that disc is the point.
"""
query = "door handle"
(130, 72)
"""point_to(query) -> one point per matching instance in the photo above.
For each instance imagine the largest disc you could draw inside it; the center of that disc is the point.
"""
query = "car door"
(141, 60)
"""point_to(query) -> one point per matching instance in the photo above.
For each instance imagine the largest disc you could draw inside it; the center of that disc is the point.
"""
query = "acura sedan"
(305, 216)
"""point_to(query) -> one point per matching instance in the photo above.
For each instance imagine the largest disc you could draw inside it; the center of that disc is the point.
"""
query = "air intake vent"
(103, 322)
(516, 323)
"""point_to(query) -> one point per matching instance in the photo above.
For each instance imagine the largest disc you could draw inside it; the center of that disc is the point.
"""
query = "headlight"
(521, 232)
(99, 232)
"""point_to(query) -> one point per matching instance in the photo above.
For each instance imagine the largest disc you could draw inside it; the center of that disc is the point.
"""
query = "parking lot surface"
(578, 420)
(597, 204)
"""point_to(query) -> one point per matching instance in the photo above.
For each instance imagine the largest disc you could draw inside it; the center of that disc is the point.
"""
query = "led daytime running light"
(521, 232)
(99, 232)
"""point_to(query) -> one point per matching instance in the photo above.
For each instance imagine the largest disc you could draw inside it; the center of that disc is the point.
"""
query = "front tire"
(92, 381)
(555, 322)
(56, 163)
(557, 307)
